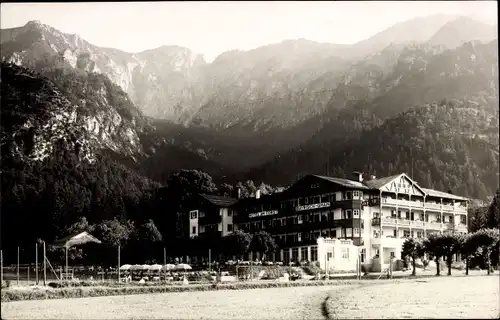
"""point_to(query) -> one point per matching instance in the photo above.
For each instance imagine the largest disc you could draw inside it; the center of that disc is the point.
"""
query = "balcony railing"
(435, 206)
(433, 225)
(449, 226)
(403, 203)
(426, 205)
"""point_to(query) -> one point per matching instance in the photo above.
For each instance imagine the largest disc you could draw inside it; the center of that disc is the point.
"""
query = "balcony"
(433, 206)
(448, 226)
(387, 241)
(417, 224)
(392, 222)
(433, 226)
(402, 203)
(460, 227)
(448, 207)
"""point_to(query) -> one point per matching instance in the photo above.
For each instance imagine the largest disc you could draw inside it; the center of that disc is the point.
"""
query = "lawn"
(444, 297)
(275, 303)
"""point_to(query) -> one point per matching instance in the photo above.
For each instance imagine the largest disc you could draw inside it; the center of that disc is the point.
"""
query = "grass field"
(275, 303)
(443, 297)
(470, 297)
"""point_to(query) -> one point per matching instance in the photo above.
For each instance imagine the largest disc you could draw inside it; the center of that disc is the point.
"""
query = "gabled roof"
(342, 182)
(440, 194)
(219, 200)
(379, 183)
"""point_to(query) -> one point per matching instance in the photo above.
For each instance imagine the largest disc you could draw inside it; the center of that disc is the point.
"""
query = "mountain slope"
(420, 75)
(417, 30)
(455, 33)
(453, 144)
(163, 81)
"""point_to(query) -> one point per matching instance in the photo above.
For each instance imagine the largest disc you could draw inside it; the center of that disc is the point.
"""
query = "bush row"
(81, 292)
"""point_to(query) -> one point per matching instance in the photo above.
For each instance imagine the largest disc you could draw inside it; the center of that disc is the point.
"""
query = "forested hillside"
(452, 144)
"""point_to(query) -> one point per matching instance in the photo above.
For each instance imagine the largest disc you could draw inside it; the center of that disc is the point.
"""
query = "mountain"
(442, 104)
(463, 29)
(417, 30)
(163, 81)
(85, 111)
(248, 107)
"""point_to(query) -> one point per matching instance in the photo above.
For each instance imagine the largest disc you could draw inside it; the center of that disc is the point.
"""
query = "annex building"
(371, 217)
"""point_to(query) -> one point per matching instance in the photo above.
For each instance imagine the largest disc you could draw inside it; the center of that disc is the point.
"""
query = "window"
(295, 254)
(363, 254)
(345, 253)
(356, 213)
(334, 234)
(314, 253)
(395, 233)
(356, 232)
(348, 195)
(393, 214)
(286, 256)
(412, 233)
(229, 228)
(229, 212)
(194, 214)
(303, 254)
(406, 233)
(355, 194)
(201, 215)
(194, 230)
(348, 214)
(392, 254)
(419, 234)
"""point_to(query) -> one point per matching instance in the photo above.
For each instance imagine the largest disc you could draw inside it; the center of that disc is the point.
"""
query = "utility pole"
(36, 262)
(18, 265)
(44, 265)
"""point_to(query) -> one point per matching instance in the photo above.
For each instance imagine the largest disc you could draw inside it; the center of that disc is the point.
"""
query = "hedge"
(82, 292)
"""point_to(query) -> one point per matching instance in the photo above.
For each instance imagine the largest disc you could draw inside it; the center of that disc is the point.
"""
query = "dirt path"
(275, 303)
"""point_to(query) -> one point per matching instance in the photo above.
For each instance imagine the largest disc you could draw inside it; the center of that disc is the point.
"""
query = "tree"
(487, 242)
(237, 243)
(432, 246)
(114, 232)
(468, 249)
(493, 213)
(264, 243)
(477, 218)
(414, 249)
(450, 245)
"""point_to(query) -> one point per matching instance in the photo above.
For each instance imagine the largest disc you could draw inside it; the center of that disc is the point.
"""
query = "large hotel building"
(371, 217)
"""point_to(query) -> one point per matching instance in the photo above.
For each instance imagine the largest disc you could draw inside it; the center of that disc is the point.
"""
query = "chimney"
(359, 176)
(257, 194)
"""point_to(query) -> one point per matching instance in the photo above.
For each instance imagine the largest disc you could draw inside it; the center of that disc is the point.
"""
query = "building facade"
(377, 215)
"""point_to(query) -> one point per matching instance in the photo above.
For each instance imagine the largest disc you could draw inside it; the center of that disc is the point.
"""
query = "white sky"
(211, 28)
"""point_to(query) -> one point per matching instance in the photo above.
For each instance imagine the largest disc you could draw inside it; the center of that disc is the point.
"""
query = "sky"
(210, 28)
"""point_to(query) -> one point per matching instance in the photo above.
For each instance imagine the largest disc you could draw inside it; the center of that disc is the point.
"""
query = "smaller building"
(337, 254)
(211, 216)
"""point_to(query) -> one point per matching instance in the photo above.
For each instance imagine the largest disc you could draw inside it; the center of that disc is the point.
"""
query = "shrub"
(312, 269)
(79, 292)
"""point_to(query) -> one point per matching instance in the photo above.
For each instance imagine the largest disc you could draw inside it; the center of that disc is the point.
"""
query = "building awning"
(76, 239)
